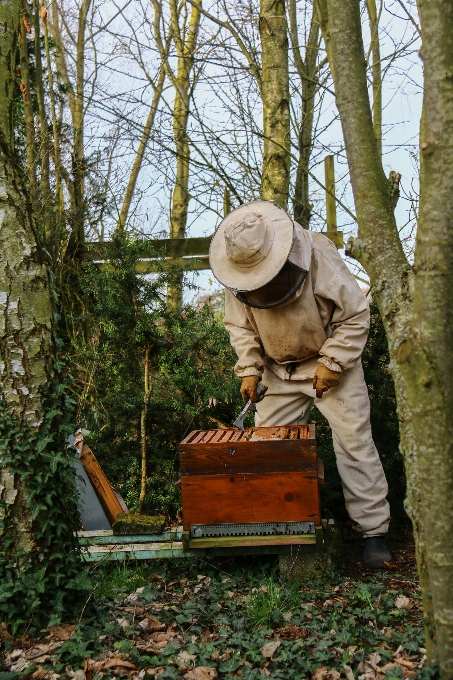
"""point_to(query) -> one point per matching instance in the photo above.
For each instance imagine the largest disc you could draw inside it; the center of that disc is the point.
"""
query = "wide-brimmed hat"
(251, 245)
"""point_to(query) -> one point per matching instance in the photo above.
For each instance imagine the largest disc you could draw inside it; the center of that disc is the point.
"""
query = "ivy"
(38, 586)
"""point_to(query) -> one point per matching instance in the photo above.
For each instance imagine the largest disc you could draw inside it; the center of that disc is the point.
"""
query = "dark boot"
(375, 553)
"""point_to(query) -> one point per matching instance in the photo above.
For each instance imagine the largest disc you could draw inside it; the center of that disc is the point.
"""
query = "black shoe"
(375, 553)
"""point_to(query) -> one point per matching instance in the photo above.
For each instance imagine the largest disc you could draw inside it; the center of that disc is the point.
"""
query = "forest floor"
(200, 620)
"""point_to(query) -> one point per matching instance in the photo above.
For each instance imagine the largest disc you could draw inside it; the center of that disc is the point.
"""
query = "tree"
(415, 300)
(37, 497)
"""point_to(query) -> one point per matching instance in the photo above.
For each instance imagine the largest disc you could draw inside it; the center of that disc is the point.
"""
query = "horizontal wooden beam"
(240, 541)
(154, 248)
(174, 550)
(157, 266)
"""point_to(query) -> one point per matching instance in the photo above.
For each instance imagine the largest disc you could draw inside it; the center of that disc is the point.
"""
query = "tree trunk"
(379, 250)
(58, 207)
(307, 73)
(144, 466)
(275, 95)
(43, 151)
(38, 552)
(185, 50)
(428, 367)
(376, 71)
(136, 167)
(28, 110)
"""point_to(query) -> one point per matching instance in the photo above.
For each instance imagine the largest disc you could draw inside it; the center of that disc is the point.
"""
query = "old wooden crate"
(262, 476)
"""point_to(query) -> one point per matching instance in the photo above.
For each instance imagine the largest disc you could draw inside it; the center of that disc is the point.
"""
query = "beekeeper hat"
(251, 245)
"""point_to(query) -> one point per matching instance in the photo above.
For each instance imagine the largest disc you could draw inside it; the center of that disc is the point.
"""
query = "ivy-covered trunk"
(37, 507)
(415, 302)
(275, 95)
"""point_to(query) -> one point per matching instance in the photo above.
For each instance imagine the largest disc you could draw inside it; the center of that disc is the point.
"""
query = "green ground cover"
(234, 617)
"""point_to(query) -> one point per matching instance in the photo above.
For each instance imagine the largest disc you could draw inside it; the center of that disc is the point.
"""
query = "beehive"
(260, 475)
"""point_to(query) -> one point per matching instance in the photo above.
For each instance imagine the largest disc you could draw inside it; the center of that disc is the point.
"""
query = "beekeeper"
(299, 322)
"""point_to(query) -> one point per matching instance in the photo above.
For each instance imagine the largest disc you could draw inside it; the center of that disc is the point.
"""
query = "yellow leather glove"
(324, 379)
(248, 388)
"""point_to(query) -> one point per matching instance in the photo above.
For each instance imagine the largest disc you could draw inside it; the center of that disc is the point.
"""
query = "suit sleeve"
(243, 337)
(350, 320)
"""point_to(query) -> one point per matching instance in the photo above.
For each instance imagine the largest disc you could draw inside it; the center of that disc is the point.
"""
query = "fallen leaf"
(201, 673)
(39, 674)
(263, 669)
(290, 632)
(155, 625)
(75, 675)
(185, 659)
(63, 632)
(370, 667)
(4, 635)
(402, 602)
(226, 656)
(320, 673)
(42, 650)
(348, 672)
(270, 648)
(88, 670)
(405, 663)
(390, 567)
(116, 662)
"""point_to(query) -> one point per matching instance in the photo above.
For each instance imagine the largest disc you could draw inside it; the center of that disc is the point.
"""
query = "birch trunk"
(415, 303)
(25, 313)
(275, 95)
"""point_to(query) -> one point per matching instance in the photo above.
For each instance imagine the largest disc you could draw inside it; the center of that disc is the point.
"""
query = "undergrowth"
(237, 617)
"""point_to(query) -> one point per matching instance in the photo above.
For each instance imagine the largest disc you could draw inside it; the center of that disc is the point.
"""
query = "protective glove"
(324, 379)
(248, 388)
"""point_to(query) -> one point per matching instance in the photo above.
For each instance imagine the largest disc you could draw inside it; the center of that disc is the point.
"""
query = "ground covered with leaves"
(200, 620)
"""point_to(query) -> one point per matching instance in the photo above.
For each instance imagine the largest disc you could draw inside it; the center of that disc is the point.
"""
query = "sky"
(123, 84)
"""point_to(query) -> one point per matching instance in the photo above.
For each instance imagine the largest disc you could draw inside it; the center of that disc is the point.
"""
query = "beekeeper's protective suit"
(299, 322)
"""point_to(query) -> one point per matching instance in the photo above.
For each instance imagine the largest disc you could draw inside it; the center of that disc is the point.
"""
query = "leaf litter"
(203, 626)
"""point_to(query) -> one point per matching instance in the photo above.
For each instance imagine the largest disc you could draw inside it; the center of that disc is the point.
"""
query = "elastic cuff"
(248, 372)
(328, 363)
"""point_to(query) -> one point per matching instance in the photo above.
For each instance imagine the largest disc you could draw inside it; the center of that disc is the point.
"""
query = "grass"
(270, 601)
(222, 614)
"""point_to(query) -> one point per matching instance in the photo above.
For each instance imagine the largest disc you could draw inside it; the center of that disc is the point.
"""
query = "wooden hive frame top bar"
(250, 434)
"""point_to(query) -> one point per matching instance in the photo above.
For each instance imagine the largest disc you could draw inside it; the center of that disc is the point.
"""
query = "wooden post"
(226, 202)
(331, 204)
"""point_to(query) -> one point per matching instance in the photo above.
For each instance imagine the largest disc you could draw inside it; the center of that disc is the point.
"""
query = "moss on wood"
(138, 525)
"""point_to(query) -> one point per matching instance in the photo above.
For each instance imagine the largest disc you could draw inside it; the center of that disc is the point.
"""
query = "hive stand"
(243, 493)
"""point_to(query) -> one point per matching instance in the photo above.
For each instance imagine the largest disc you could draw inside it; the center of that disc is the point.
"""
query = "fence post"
(331, 204)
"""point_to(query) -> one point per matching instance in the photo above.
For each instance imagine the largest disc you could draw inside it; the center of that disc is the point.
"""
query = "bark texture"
(428, 367)
(25, 312)
(379, 250)
(275, 95)
(307, 70)
(376, 71)
(185, 38)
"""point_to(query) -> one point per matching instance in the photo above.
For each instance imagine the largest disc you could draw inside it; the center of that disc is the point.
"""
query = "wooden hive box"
(261, 475)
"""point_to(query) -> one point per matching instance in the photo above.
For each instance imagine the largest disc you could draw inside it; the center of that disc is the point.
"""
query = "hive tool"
(250, 406)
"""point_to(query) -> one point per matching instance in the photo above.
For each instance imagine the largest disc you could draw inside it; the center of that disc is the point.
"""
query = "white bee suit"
(326, 321)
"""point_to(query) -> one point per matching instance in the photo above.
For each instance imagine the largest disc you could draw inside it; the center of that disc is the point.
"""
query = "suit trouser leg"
(347, 408)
